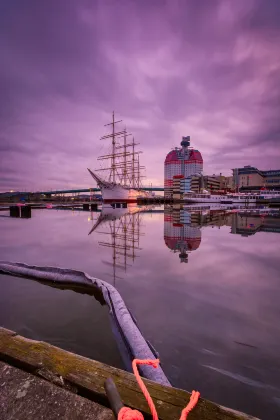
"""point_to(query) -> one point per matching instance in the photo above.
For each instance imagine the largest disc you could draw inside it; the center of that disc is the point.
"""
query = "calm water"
(204, 288)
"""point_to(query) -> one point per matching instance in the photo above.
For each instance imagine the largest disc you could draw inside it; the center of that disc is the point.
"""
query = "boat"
(113, 192)
(124, 184)
(219, 198)
(269, 194)
(233, 198)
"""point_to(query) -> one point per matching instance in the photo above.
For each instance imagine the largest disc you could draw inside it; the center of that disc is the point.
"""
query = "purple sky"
(208, 69)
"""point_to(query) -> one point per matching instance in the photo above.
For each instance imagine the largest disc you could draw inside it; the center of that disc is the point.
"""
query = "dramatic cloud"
(169, 68)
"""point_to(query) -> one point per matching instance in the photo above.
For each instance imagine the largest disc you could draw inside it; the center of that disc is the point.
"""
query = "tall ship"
(124, 182)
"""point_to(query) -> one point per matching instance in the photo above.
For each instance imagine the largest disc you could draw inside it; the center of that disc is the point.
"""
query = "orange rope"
(155, 364)
(129, 414)
(192, 403)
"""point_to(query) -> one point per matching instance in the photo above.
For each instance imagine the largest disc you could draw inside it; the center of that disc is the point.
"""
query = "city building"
(197, 183)
(250, 178)
(218, 183)
(180, 165)
(272, 179)
(212, 183)
(226, 183)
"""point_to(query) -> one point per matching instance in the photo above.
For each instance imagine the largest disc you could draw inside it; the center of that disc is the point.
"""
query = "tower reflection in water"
(121, 229)
(182, 226)
(181, 232)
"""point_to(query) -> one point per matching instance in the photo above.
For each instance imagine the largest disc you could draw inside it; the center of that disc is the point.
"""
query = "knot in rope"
(127, 413)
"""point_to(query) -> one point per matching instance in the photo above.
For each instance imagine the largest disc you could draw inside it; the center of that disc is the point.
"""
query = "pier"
(39, 380)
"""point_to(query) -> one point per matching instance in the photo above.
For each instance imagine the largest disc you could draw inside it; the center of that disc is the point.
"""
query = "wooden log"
(87, 377)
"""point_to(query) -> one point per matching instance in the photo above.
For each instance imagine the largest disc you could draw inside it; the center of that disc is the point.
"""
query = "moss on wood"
(88, 376)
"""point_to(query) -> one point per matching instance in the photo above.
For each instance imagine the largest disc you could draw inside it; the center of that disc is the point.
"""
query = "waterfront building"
(218, 183)
(250, 178)
(211, 183)
(180, 165)
(226, 183)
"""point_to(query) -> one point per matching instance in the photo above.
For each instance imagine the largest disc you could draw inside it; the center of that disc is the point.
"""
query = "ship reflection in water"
(121, 228)
(182, 225)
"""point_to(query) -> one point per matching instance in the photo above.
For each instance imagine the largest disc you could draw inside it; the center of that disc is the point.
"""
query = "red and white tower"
(181, 164)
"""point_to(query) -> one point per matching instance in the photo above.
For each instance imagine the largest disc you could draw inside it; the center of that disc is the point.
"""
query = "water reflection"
(122, 227)
(248, 223)
(213, 321)
(121, 230)
(181, 232)
(182, 225)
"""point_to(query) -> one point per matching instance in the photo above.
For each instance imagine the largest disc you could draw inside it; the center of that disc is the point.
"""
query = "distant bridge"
(87, 190)
(72, 191)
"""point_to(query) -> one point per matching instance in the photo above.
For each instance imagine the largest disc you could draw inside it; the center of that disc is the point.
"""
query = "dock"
(83, 204)
(41, 381)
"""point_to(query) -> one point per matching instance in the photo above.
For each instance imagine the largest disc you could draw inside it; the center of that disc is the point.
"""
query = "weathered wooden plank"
(88, 376)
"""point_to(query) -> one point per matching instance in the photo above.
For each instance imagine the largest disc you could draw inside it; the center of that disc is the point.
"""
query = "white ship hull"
(223, 199)
(116, 193)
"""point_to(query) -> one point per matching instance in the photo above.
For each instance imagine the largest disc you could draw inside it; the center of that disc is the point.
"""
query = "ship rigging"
(125, 163)
(125, 172)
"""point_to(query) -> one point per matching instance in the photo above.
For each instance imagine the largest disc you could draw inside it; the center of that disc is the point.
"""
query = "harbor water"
(204, 287)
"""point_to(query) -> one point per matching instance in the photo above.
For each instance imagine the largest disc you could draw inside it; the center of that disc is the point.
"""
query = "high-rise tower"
(179, 167)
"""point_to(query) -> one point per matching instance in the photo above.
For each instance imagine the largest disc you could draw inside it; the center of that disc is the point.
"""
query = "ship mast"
(128, 166)
(113, 149)
(138, 170)
(113, 155)
(124, 157)
(125, 166)
(133, 164)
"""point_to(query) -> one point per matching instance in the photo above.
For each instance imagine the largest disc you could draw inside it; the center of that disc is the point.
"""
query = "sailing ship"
(124, 184)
